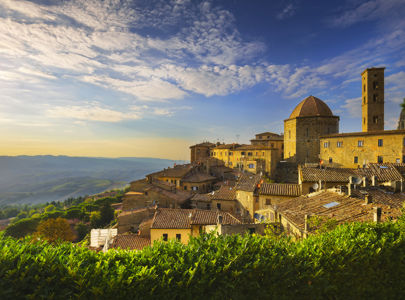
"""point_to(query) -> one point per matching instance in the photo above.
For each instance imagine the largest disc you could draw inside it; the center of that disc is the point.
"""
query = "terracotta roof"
(224, 193)
(327, 174)
(383, 173)
(178, 171)
(204, 144)
(198, 177)
(381, 196)
(248, 182)
(343, 209)
(280, 189)
(378, 132)
(201, 197)
(311, 107)
(268, 133)
(167, 218)
(130, 242)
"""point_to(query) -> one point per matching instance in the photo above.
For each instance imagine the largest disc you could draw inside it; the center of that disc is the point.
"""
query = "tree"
(54, 230)
(106, 214)
(22, 227)
(82, 230)
(95, 219)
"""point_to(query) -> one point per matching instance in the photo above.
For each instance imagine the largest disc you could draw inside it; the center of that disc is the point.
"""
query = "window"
(339, 144)
(364, 87)
(375, 98)
(249, 153)
(398, 160)
(326, 144)
(251, 166)
(178, 236)
(242, 153)
(356, 160)
(375, 85)
(380, 142)
(194, 188)
(185, 187)
(375, 119)
(165, 237)
(330, 160)
(268, 201)
(380, 159)
(360, 143)
(219, 205)
(230, 153)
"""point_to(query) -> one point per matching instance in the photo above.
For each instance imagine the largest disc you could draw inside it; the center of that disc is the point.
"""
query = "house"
(129, 242)
(275, 193)
(180, 224)
(247, 193)
(357, 205)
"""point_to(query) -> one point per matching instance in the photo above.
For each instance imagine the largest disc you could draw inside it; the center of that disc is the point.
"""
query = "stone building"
(373, 144)
(302, 130)
(200, 152)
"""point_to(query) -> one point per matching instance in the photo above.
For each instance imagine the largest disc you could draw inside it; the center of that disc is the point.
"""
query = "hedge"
(354, 261)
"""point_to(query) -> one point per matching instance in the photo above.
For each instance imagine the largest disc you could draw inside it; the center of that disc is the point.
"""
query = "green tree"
(95, 219)
(106, 214)
(22, 227)
(54, 230)
(82, 230)
(50, 208)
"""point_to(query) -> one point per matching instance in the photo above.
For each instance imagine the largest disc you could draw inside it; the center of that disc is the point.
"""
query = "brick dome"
(311, 107)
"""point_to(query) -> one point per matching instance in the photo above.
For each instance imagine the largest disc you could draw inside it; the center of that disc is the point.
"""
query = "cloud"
(353, 107)
(92, 111)
(366, 11)
(287, 12)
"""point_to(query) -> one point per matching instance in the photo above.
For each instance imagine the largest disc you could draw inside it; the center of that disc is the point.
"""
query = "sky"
(149, 78)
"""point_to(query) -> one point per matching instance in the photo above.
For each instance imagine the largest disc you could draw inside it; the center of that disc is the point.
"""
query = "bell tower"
(372, 100)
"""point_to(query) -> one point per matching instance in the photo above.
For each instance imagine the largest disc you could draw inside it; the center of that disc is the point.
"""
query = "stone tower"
(372, 100)
(309, 120)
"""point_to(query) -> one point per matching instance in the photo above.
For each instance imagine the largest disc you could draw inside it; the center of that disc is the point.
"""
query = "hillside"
(38, 179)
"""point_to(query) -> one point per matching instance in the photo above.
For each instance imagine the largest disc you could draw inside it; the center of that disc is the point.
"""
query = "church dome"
(311, 107)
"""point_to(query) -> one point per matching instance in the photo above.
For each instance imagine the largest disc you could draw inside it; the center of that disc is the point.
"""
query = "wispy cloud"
(287, 12)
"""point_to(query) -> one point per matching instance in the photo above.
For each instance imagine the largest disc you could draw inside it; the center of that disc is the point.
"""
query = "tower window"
(380, 142)
(339, 144)
(380, 159)
(360, 143)
(375, 119)
(375, 85)
(326, 144)
(375, 98)
(356, 160)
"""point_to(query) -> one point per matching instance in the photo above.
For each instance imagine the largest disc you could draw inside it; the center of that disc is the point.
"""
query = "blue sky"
(149, 78)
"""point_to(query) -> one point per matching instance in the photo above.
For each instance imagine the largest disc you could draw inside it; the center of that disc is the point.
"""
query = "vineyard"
(355, 261)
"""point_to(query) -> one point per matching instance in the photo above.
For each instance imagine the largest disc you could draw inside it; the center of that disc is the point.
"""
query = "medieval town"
(311, 172)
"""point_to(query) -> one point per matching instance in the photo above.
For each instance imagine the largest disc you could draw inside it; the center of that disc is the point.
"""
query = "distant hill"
(37, 179)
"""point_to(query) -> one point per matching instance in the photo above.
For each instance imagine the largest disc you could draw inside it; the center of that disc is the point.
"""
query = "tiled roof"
(201, 197)
(248, 182)
(198, 177)
(130, 242)
(280, 189)
(383, 173)
(268, 133)
(346, 209)
(225, 192)
(167, 218)
(381, 196)
(327, 174)
(311, 106)
(204, 144)
(178, 171)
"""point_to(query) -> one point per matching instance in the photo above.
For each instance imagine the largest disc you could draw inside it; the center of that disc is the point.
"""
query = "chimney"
(377, 214)
(351, 179)
(373, 180)
(219, 219)
(349, 189)
(306, 226)
(320, 185)
(365, 182)
(368, 199)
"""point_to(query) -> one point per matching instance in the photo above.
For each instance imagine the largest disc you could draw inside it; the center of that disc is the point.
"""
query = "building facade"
(302, 130)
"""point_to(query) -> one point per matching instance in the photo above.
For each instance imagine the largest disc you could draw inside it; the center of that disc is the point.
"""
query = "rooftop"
(311, 107)
(170, 218)
(130, 242)
(280, 189)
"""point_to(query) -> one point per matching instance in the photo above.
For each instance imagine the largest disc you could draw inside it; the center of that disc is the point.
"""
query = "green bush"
(356, 261)
(22, 227)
